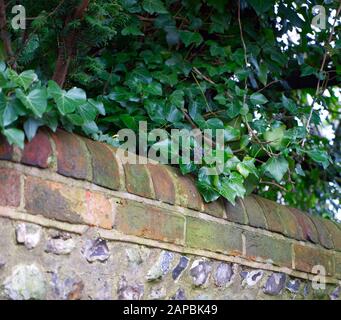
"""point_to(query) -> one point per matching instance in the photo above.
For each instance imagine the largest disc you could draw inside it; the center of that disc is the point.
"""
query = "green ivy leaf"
(35, 101)
(31, 126)
(277, 168)
(261, 6)
(320, 156)
(24, 79)
(207, 191)
(189, 37)
(153, 88)
(258, 98)
(275, 136)
(154, 6)
(66, 101)
(15, 136)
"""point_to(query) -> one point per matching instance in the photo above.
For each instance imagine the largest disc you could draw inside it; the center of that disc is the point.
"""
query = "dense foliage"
(253, 68)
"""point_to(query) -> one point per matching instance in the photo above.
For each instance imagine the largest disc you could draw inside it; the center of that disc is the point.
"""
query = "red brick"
(215, 208)
(37, 153)
(55, 200)
(289, 224)
(308, 229)
(335, 233)
(163, 183)
(254, 212)
(307, 257)
(99, 210)
(150, 222)
(105, 170)
(9, 188)
(272, 217)
(6, 151)
(236, 213)
(72, 157)
(323, 233)
(187, 194)
(59, 201)
(138, 180)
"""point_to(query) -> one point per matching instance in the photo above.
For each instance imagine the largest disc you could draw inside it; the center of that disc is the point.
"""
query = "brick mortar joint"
(176, 210)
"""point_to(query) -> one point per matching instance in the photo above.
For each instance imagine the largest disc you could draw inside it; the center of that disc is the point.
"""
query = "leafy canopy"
(252, 68)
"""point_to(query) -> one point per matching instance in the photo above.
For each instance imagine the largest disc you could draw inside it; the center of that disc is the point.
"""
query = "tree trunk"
(68, 46)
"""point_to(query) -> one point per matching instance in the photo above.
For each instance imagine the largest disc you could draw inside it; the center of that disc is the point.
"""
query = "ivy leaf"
(24, 79)
(153, 88)
(289, 105)
(36, 100)
(233, 109)
(275, 137)
(98, 105)
(66, 101)
(231, 134)
(132, 30)
(31, 126)
(319, 156)
(87, 111)
(263, 74)
(247, 167)
(258, 98)
(189, 37)
(277, 167)
(261, 6)
(154, 6)
(228, 192)
(15, 136)
(9, 115)
(299, 170)
(232, 187)
(207, 191)
(177, 98)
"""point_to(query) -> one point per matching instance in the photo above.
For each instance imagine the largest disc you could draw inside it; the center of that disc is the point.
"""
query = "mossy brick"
(6, 150)
(272, 217)
(187, 194)
(144, 220)
(213, 236)
(215, 208)
(308, 228)
(9, 187)
(62, 202)
(72, 155)
(325, 238)
(335, 232)
(306, 258)
(264, 248)
(236, 213)
(138, 180)
(38, 151)
(163, 183)
(105, 171)
(254, 212)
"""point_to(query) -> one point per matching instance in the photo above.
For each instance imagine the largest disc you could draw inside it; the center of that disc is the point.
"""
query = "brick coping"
(66, 177)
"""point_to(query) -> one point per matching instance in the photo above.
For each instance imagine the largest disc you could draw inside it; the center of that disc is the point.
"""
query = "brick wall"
(65, 182)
